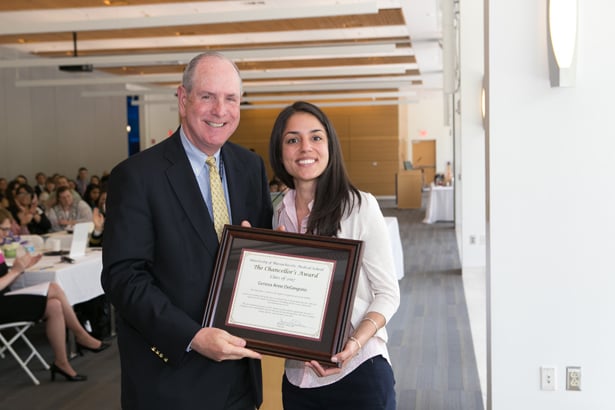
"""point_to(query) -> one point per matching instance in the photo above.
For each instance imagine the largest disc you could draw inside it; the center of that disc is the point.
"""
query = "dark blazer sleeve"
(160, 244)
(135, 276)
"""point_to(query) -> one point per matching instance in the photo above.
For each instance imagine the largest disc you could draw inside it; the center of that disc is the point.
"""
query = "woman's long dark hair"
(335, 194)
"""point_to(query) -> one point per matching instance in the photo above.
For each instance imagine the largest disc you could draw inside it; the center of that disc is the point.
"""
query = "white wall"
(470, 178)
(54, 129)
(550, 200)
(428, 116)
(158, 121)
(470, 140)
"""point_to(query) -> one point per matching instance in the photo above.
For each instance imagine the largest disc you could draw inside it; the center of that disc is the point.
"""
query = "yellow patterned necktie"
(218, 203)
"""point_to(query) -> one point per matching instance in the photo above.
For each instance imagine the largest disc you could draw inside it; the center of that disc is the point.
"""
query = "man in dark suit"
(160, 248)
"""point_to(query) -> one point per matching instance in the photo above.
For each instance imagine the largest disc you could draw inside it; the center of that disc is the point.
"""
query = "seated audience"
(67, 212)
(277, 189)
(82, 181)
(92, 193)
(98, 218)
(104, 180)
(3, 184)
(4, 202)
(72, 184)
(21, 179)
(50, 186)
(102, 201)
(53, 308)
(11, 191)
(41, 178)
(29, 216)
(61, 181)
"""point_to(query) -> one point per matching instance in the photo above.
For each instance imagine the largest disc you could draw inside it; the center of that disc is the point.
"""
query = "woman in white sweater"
(305, 154)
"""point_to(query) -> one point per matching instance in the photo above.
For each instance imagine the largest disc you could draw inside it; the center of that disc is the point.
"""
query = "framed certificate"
(287, 294)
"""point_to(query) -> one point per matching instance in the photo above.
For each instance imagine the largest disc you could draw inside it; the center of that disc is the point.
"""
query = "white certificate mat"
(286, 294)
(281, 293)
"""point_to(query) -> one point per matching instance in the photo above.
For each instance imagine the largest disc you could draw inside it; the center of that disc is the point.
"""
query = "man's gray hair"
(188, 75)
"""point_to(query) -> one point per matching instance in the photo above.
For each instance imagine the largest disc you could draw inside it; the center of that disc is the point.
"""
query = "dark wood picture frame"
(346, 256)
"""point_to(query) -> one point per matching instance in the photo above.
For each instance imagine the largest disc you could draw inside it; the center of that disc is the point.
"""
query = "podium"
(408, 187)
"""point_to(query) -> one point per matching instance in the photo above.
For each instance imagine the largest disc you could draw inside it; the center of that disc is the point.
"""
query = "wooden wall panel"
(254, 132)
(378, 120)
(377, 188)
(378, 179)
(374, 149)
(367, 135)
(345, 143)
(341, 122)
(366, 171)
(255, 125)
(357, 122)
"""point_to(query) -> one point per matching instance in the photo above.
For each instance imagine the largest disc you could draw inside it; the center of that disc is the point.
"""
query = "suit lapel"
(236, 190)
(183, 182)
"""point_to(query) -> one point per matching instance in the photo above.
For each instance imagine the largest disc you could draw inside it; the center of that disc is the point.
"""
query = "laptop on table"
(78, 245)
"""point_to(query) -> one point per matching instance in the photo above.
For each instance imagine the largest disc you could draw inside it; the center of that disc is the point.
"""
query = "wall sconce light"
(562, 39)
(483, 103)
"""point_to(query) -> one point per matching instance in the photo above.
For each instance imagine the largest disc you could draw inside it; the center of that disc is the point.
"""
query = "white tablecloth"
(398, 252)
(64, 237)
(80, 280)
(440, 206)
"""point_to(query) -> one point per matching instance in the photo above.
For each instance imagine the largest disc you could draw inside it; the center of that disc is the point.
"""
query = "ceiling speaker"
(77, 68)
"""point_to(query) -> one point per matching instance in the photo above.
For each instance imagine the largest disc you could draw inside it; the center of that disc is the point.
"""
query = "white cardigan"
(377, 287)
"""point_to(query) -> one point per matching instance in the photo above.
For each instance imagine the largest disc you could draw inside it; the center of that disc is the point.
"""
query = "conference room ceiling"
(348, 51)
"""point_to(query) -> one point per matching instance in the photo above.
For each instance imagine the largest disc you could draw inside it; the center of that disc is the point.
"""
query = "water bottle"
(28, 247)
